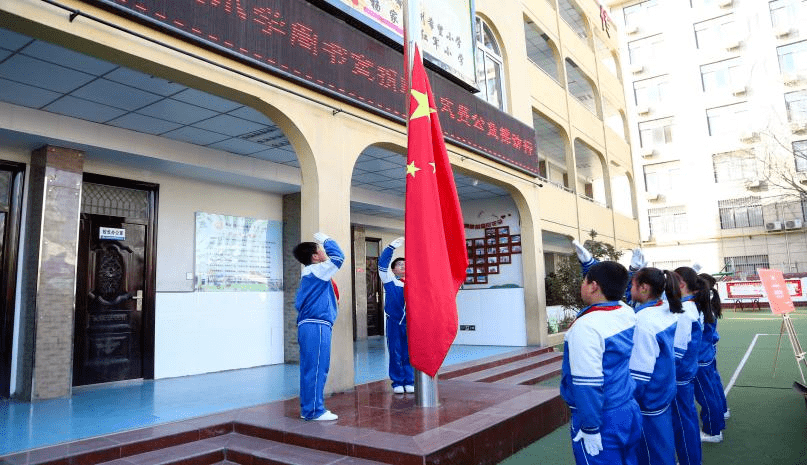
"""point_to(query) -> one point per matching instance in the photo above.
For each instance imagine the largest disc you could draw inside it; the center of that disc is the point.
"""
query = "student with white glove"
(393, 276)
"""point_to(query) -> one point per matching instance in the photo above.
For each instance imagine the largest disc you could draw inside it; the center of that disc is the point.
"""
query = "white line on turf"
(742, 363)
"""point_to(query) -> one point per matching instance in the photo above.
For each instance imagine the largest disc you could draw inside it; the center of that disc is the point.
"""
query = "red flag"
(436, 258)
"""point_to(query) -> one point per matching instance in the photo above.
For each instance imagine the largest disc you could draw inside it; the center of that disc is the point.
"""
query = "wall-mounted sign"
(301, 42)
(112, 234)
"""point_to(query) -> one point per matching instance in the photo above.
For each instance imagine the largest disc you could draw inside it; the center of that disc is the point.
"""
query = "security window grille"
(734, 166)
(740, 213)
(746, 264)
(667, 220)
(657, 132)
(793, 57)
(800, 154)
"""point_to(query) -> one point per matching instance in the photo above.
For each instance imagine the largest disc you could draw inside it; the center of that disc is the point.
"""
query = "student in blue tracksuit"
(652, 363)
(717, 311)
(393, 276)
(606, 422)
(688, 336)
(316, 312)
(712, 409)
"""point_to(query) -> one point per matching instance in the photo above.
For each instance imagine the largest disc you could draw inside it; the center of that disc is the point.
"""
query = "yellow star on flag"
(422, 105)
(412, 169)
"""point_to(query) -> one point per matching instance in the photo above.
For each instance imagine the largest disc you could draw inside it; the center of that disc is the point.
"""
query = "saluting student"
(392, 276)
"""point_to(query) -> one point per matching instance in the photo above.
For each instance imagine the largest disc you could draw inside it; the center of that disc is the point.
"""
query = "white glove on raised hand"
(637, 260)
(321, 237)
(582, 254)
(397, 243)
(696, 266)
(591, 442)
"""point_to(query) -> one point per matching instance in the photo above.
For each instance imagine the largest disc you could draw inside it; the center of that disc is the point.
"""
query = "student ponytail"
(717, 306)
(700, 290)
(661, 282)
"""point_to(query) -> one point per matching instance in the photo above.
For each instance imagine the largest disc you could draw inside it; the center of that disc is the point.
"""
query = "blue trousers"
(400, 371)
(315, 359)
(657, 446)
(685, 425)
(719, 386)
(711, 406)
(621, 432)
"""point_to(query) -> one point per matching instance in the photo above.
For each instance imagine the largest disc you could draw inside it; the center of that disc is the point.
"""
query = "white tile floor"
(98, 410)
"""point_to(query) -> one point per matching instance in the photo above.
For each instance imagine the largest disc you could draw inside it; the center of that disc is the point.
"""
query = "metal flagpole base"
(425, 390)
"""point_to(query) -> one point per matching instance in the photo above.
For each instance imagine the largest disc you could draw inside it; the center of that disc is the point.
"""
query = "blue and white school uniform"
(652, 366)
(597, 385)
(688, 335)
(400, 371)
(316, 313)
(706, 391)
(718, 381)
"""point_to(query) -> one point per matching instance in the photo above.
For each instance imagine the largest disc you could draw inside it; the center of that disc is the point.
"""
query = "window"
(671, 264)
(640, 12)
(792, 57)
(800, 154)
(796, 105)
(727, 120)
(657, 132)
(787, 14)
(715, 32)
(650, 92)
(645, 50)
(540, 50)
(571, 14)
(580, 86)
(746, 264)
(662, 177)
(489, 69)
(721, 76)
(740, 213)
(734, 166)
(667, 220)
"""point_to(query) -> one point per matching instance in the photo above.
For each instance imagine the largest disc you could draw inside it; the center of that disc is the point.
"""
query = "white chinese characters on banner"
(235, 253)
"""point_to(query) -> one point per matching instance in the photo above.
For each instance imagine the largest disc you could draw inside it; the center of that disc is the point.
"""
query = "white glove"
(321, 237)
(696, 266)
(591, 442)
(637, 260)
(582, 254)
(397, 243)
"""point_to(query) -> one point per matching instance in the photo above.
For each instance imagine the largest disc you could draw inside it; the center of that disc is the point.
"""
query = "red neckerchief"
(600, 307)
(335, 289)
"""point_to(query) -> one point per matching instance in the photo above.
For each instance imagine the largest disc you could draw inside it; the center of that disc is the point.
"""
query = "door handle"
(139, 298)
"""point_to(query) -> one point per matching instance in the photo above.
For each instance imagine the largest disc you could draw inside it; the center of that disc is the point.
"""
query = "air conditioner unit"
(782, 31)
(725, 3)
(643, 110)
(773, 226)
(631, 29)
(739, 90)
(636, 69)
(793, 224)
(748, 136)
(790, 79)
(733, 44)
(652, 196)
(801, 177)
(798, 127)
(647, 153)
(754, 184)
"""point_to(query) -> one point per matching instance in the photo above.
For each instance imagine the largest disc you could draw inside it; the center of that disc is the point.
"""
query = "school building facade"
(161, 159)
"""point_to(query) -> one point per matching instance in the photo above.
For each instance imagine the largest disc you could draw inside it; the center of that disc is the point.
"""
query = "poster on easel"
(778, 294)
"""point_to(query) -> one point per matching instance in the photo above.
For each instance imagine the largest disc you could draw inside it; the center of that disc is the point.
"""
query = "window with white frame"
(788, 14)
(489, 68)
(793, 57)
(646, 50)
(662, 177)
(637, 14)
(540, 50)
(727, 120)
(656, 132)
(715, 32)
(667, 220)
(740, 213)
(722, 76)
(651, 92)
(796, 105)
(746, 264)
(800, 154)
(737, 165)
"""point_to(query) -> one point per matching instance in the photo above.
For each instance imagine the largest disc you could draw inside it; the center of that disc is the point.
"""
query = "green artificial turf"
(768, 423)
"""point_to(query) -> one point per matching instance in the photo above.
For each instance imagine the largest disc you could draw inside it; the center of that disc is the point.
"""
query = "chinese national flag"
(436, 258)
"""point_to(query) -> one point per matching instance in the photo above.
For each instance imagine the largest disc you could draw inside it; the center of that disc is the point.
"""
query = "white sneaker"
(708, 438)
(327, 416)
(409, 388)
(398, 389)
(727, 414)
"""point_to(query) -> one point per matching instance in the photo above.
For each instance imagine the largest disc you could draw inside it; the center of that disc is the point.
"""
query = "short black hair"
(395, 262)
(304, 251)
(611, 277)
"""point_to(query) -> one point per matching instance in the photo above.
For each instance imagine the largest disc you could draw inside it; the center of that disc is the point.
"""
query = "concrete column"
(359, 283)
(291, 276)
(49, 274)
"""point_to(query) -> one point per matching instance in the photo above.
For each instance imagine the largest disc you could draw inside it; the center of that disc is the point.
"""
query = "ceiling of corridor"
(46, 77)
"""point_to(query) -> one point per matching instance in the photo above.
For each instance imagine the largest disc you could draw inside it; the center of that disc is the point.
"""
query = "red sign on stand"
(775, 287)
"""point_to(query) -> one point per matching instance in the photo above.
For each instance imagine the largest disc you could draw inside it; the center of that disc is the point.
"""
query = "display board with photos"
(486, 255)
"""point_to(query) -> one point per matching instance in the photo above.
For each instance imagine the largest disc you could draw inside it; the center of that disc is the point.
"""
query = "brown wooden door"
(375, 302)
(109, 300)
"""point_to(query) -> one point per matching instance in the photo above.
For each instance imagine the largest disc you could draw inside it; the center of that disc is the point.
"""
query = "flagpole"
(426, 394)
